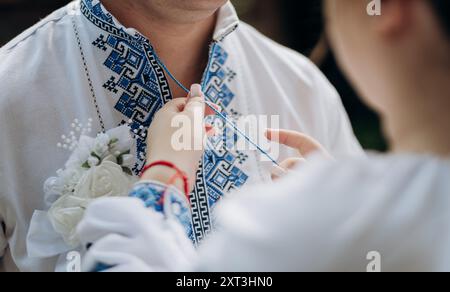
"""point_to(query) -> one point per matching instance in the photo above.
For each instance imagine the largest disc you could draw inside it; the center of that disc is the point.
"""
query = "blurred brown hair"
(442, 9)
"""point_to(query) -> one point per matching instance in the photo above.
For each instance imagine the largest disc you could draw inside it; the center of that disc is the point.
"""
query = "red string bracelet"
(171, 182)
(180, 174)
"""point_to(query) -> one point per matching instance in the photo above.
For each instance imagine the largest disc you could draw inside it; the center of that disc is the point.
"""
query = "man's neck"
(422, 123)
(182, 45)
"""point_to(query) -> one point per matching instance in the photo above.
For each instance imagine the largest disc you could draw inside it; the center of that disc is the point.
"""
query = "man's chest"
(135, 83)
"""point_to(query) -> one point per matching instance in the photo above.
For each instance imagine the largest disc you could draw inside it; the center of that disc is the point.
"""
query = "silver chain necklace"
(88, 76)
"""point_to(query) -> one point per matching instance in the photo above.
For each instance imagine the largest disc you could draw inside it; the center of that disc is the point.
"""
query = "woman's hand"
(177, 135)
(304, 144)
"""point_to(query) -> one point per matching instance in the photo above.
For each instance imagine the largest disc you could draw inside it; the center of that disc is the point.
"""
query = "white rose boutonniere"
(106, 180)
(65, 214)
(98, 167)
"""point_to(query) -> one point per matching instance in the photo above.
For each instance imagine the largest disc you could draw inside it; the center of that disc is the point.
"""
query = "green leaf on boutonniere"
(127, 171)
(120, 157)
(96, 156)
(86, 165)
(112, 142)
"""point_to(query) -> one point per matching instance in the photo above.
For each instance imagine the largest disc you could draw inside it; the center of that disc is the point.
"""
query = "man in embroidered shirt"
(93, 65)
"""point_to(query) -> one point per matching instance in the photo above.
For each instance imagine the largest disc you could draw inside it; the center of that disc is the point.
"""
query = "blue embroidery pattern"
(174, 204)
(138, 80)
(217, 77)
(141, 88)
(218, 171)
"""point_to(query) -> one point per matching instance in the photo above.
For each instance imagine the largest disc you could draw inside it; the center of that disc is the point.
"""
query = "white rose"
(53, 189)
(124, 141)
(128, 160)
(70, 178)
(93, 161)
(105, 180)
(65, 214)
(101, 145)
(110, 158)
(82, 152)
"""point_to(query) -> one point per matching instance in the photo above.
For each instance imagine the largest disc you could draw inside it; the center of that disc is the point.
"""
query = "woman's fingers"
(195, 98)
(176, 105)
(211, 108)
(285, 167)
(301, 142)
(196, 101)
(196, 107)
(210, 130)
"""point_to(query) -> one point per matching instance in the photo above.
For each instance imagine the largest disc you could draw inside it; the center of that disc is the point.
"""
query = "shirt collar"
(227, 20)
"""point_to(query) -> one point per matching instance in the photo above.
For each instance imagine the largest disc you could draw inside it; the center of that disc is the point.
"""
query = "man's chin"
(199, 5)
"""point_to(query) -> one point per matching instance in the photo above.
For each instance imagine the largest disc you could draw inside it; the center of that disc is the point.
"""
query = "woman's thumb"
(196, 100)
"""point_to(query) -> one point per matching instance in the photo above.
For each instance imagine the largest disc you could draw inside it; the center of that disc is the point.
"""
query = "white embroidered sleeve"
(306, 223)
(341, 140)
